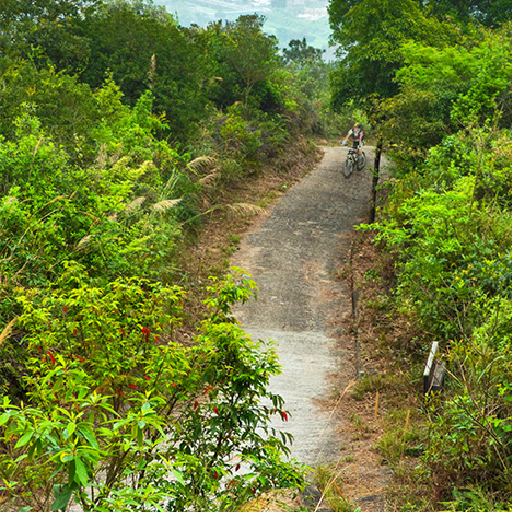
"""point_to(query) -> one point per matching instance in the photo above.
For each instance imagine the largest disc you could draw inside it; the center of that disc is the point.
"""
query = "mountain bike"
(353, 160)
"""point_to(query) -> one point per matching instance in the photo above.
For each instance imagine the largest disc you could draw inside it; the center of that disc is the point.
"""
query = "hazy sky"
(286, 19)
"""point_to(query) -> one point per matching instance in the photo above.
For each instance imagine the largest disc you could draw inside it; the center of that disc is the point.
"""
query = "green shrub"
(114, 403)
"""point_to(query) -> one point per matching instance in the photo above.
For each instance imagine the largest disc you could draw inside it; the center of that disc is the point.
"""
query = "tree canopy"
(371, 34)
(300, 53)
(47, 26)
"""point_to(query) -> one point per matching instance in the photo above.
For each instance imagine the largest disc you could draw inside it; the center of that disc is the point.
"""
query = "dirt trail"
(294, 253)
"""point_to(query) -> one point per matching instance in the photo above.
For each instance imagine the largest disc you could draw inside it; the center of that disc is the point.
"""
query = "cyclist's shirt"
(357, 139)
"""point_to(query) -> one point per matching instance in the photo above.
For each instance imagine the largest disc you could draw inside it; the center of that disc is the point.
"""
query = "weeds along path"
(294, 254)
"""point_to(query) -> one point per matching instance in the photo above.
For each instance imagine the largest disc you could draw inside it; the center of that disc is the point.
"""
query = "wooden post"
(375, 180)
(434, 372)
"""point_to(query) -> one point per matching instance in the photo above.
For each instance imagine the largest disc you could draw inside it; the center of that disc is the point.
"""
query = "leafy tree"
(300, 53)
(445, 89)
(490, 13)
(143, 48)
(64, 106)
(245, 58)
(371, 34)
(49, 25)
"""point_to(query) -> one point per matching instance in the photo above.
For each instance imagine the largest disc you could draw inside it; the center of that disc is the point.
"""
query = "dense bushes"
(448, 223)
(101, 181)
(117, 413)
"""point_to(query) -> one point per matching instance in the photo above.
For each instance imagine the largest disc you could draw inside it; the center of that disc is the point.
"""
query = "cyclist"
(357, 137)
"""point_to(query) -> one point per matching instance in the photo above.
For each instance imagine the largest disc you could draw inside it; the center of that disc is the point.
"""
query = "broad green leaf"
(62, 498)
(24, 439)
(71, 428)
(87, 432)
(178, 475)
(81, 472)
(4, 418)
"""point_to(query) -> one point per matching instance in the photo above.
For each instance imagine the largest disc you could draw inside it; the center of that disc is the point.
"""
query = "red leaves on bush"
(284, 415)
(237, 467)
(75, 331)
(132, 386)
(215, 409)
(216, 475)
(146, 377)
(81, 359)
(146, 332)
(65, 309)
(52, 357)
(196, 405)
(208, 389)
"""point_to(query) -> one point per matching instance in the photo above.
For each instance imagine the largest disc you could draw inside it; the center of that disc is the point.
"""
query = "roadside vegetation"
(126, 383)
(435, 78)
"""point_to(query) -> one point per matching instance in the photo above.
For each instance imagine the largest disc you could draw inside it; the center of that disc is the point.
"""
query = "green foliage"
(114, 402)
(50, 26)
(443, 106)
(143, 48)
(300, 53)
(444, 89)
(239, 139)
(65, 108)
(120, 216)
(490, 14)
(371, 34)
(470, 441)
(449, 227)
(245, 57)
(103, 402)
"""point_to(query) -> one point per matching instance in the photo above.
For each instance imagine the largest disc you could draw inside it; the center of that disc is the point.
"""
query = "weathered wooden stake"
(434, 372)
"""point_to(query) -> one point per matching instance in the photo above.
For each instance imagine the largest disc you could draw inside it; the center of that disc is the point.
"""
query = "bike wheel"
(348, 167)
(361, 161)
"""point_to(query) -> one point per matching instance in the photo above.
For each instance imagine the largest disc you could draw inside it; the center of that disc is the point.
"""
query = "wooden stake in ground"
(405, 430)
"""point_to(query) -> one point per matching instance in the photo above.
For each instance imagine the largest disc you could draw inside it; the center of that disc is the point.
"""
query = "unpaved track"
(293, 254)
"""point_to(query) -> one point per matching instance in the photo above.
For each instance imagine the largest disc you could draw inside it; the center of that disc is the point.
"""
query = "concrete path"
(294, 254)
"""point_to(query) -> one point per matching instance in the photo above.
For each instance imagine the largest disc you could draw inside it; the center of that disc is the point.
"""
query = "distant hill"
(286, 19)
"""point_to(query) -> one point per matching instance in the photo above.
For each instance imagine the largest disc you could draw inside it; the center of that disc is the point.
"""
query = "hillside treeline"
(436, 78)
(119, 132)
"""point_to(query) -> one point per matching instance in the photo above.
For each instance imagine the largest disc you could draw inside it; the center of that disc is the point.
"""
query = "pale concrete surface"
(293, 255)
